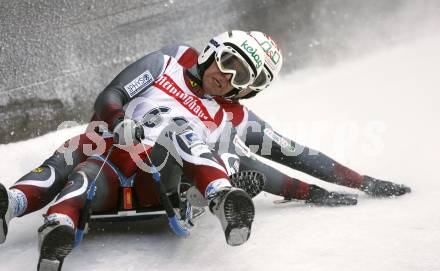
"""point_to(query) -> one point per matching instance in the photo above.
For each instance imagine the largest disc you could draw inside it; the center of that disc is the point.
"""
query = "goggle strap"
(266, 82)
(231, 94)
(249, 95)
(269, 71)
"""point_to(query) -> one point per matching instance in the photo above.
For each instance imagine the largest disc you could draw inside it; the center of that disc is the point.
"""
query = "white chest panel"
(170, 98)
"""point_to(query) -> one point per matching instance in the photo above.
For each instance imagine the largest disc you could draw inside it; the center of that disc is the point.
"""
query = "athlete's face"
(215, 82)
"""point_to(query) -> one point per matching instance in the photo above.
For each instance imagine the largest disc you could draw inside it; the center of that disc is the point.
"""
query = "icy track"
(378, 115)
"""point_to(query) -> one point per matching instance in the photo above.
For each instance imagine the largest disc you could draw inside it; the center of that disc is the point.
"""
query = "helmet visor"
(230, 63)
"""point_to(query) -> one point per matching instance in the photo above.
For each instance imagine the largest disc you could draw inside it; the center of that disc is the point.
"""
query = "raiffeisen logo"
(190, 102)
(253, 52)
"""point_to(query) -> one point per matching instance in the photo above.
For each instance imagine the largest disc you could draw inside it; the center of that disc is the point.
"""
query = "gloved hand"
(322, 197)
(127, 132)
(378, 188)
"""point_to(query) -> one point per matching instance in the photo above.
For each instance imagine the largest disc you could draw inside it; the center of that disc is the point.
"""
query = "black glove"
(320, 196)
(379, 188)
(127, 132)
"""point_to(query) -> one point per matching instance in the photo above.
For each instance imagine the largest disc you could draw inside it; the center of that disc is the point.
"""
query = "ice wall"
(55, 56)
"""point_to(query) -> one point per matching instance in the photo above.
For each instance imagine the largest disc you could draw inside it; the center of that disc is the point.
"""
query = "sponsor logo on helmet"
(253, 52)
(271, 51)
(215, 43)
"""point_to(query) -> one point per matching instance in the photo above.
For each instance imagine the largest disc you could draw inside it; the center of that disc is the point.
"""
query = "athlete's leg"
(146, 189)
(38, 187)
(278, 183)
(42, 184)
(72, 198)
(275, 147)
(57, 235)
(232, 206)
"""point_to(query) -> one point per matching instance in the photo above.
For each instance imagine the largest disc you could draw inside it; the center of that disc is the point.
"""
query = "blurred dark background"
(56, 56)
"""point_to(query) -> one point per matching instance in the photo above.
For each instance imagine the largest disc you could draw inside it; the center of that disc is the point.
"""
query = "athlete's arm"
(184, 54)
(127, 85)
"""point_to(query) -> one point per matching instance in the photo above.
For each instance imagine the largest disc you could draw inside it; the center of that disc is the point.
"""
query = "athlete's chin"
(212, 91)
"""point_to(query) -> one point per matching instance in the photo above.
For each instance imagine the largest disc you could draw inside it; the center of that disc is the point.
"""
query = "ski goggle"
(233, 63)
(263, 80)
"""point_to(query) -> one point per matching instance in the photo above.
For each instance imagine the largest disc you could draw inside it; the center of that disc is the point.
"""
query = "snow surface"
(378, 115)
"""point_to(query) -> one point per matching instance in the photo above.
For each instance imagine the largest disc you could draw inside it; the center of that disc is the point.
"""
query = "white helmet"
(273, 60)
(237, 53)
